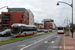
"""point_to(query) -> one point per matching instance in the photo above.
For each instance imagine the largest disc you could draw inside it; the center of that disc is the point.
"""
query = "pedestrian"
(71, 30)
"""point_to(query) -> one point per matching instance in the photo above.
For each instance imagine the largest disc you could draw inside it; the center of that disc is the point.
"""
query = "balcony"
(6, 18)
(4, 23)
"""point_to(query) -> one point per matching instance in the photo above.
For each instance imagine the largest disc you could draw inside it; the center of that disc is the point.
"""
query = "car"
(6, 32)
(50, 30)
(45, 31)
(39, 30)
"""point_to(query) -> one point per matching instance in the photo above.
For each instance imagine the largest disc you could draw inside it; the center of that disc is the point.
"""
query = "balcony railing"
(4, 23)
(6, 18)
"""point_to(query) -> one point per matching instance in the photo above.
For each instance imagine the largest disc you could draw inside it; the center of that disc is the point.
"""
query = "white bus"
(18, 30)
(60, 30)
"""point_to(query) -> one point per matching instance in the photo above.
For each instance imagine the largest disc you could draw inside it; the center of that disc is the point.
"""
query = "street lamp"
(72, 11)
(4, 7)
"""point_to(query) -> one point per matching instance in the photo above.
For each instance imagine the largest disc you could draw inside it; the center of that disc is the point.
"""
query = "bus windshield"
(60, 28)
(15, 30)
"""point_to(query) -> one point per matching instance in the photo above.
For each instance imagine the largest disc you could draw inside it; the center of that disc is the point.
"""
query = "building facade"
(31, 17)
(0, 20)
(15, 15)
(39, 25)
(48, 24)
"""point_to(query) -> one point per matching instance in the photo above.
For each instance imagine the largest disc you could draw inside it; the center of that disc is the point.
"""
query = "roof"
(16, 8)
(23, 25)
(46, 20)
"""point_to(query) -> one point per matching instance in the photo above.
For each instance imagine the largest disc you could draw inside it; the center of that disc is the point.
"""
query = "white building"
(31, 17)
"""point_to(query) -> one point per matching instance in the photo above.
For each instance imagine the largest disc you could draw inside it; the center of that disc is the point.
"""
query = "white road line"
(56, 36)
(33, 41)
(46, 42)
(52, 42)
(21, 45)
(36, 42)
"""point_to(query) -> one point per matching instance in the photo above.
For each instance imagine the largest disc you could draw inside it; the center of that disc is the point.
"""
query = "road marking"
(21, 45)
(56, 36)
(36, 42)
(52, 42)
(46, 42)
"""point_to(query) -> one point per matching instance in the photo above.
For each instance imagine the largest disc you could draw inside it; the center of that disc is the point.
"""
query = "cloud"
(43, 9)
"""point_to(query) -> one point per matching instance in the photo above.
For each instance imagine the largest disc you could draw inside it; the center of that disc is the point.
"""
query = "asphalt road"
(5, 38)
(9, 37)
(45, 42)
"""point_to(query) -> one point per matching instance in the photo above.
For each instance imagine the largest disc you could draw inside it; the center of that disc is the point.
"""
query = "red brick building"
(48, 24)
(14, 15)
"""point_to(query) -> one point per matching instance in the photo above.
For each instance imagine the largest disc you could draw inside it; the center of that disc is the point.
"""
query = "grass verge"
(21, 38)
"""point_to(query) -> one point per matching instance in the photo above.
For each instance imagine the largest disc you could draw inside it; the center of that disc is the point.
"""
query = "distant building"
(0, 21)
(15, 15)
(39, 25)
(31, 17)
(48, 24)
(0, 17)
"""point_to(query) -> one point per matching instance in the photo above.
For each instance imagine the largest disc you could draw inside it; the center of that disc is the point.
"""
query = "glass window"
(60, 28)
(12, 21)
(48, 23)
(50, 26)
(15, 30)
(28, 18)
(20, 21)
(12, 16)
(19, 11)
(11, 11)
(23, 16)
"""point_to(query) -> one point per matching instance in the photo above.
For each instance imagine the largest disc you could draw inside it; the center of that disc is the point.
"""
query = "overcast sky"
(43, 9)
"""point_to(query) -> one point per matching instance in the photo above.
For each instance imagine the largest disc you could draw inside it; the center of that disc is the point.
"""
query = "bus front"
(15, 31)
(60, 30)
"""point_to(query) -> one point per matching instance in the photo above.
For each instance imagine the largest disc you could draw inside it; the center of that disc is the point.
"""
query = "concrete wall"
(31, 17)
(20, 10)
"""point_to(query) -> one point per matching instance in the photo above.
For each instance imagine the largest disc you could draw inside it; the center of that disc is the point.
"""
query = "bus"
(60, 30)
(18, 30)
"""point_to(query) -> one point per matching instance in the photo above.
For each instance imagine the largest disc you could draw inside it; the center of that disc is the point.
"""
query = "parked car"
(6, 32)
(50, 30)
(45, 31)
(40, 30)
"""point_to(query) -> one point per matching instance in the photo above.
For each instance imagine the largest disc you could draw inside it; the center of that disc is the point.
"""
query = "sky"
(44, 9)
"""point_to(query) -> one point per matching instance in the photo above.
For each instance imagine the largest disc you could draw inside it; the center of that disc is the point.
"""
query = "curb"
(61, 43)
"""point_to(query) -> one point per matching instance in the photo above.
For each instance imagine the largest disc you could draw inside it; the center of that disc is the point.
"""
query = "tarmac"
(68, 43)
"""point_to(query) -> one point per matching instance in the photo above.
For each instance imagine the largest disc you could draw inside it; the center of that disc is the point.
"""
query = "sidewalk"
(68, 43)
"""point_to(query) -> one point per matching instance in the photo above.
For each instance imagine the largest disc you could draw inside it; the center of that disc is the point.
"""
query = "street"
(45, 42)
(9, 37)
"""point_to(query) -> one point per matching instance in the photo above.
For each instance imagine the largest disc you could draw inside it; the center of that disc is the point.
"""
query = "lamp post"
(4, 7)
(71, 5)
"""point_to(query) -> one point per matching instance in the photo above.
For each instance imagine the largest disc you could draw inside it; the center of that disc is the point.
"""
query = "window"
(20, 21)
(19, 11)
(12, 21)
(28, 18)
(50, 26)
(12, 16)
(10, 11)
(23, 16)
